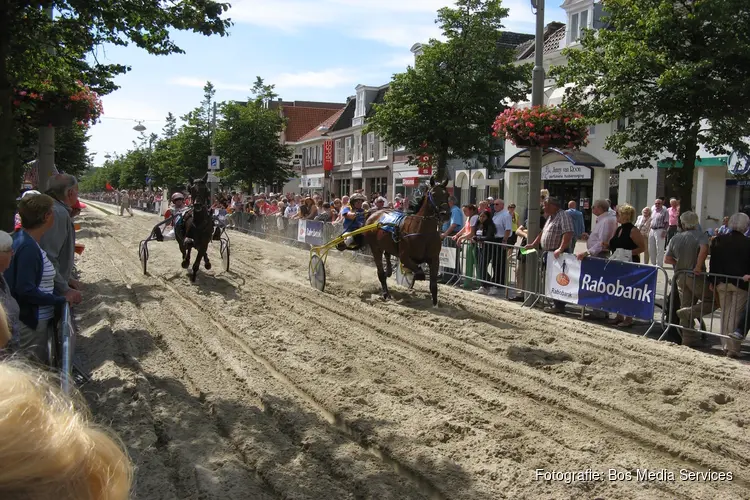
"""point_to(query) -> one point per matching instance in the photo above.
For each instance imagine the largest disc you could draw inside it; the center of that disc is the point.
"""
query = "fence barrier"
(498, 269)
(693, 297)
(67, 349)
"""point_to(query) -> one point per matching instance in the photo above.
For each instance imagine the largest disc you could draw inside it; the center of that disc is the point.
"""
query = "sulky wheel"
(317, 273)
(224, 250)
(404, 277)
(143, 256)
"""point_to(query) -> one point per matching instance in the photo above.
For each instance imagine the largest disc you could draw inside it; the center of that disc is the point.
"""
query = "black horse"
(196, 230)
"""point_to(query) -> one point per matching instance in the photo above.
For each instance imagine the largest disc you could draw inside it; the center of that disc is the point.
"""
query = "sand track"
(250, 384)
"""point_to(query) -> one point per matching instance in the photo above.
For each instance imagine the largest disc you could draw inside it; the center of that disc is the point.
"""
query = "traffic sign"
(214, 163)
(212, 178)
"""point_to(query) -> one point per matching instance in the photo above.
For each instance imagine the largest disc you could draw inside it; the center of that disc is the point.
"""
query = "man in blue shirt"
(354, 218)
(456, 222)
(578, 225)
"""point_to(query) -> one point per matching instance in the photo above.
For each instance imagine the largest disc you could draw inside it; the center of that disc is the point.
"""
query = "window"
(320, 155)
(370, 146)
(339, 152)
(379, 185)
(357, 147)
(574, 31)
(622, 123)
(383, 155)
(346, 187)
(304, 157)
(592, 131)
(360, 103)
(400, 148)
(584, 22)
(348, 150)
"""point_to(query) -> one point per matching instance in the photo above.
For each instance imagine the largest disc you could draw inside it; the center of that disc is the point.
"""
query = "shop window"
(339, 152)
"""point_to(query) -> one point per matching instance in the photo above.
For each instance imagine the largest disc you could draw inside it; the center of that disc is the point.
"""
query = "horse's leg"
(434, 268)
(188, 250)
(388, 265)
(377, 252)
(206, 262)
(199, 252)
(409, 263)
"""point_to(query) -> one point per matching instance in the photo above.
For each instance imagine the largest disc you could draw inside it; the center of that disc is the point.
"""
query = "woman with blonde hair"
(49, 450)
(627, 244)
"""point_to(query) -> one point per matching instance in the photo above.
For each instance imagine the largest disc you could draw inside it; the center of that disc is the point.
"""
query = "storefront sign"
(425, 170)
(356, 174)
(565, 172)
(617, 287)
(328, 155)
(411, 182)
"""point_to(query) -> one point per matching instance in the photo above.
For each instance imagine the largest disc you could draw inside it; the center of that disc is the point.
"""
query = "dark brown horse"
(416, 241)
(197, 227)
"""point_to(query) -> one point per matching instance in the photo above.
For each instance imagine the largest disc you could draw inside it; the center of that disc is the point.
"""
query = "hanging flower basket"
(542, 126)
(51, 107)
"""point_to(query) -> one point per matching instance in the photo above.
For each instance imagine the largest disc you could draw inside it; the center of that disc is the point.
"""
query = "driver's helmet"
(357, 197)
(178, 196)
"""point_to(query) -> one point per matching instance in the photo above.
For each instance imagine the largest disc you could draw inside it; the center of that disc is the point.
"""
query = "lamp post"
(535, 159)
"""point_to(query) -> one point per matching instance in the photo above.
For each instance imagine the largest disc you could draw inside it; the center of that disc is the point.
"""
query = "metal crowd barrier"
(694, 297)
(67, 349)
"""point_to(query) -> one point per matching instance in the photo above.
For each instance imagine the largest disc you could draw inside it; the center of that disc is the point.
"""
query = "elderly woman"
(643, 224)
(31, 277)
(6, 299)
(730, 255)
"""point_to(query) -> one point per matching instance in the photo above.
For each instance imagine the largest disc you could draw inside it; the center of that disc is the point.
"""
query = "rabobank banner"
(609, 285)
(314, 233)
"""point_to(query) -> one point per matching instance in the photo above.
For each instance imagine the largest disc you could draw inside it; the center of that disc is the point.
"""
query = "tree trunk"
(9, 162)
(685, 190)
(442, 166)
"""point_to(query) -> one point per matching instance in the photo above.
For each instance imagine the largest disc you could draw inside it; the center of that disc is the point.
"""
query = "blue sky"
(310, 49)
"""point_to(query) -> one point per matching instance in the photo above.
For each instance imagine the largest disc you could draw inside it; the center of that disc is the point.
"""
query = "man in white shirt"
(293, 207)
(604, 229)
(657, 235)
(503, 228)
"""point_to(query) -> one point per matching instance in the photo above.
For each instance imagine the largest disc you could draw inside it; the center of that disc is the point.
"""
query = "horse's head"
(437, 198)
(199, 192)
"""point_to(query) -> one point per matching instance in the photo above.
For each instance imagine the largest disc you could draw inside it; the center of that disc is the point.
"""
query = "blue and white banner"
(613, 286)
(311, 232)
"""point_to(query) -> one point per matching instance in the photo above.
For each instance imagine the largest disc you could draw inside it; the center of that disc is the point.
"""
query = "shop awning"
(521, 159)
(718, 161)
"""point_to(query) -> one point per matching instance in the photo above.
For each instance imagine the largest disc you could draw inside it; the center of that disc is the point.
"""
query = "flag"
(109, 187)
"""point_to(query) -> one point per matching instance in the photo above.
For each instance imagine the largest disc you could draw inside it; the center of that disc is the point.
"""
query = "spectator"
(604, 229)
(453, 225)
(555, 237)
(503, 227)
(658, 233)
(8, 303)
(579, 226)
(687, 252)
(49, 447)
(380, 203)
(514, 223)
(31, 275)
(5, 335)
(629, 239)
(125, 203)
(60, 241)
(467, 235)
(326, 214)
(644, 226)
(674, 214)
(483, 234)
(730, 255)
(724, 228)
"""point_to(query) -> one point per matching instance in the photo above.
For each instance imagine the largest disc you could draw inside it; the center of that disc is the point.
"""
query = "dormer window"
(360, 104)
(578, 22)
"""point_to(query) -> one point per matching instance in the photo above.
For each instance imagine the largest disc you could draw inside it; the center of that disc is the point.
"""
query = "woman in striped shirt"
(31, 275)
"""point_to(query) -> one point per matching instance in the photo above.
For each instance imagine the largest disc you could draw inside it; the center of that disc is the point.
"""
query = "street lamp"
(535, 156)
(140, 127)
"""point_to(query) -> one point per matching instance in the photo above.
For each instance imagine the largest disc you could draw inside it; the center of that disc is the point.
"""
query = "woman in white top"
(464, 237)
(643, 224)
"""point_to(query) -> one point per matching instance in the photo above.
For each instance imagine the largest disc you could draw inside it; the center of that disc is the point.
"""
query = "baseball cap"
(27, 193)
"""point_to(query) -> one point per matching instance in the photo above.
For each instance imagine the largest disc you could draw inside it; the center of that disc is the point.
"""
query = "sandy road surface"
(250, 384)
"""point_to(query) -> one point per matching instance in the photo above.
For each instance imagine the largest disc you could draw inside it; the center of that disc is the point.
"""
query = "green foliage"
(450, 99)
(680, 72)
(247, 138)
(72, 40)
(248, 141)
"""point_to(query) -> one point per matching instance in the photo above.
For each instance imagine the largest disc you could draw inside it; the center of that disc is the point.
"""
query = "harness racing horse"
(415, 238)
(197, 228)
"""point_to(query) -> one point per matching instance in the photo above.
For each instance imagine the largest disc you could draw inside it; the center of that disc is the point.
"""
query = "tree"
(678, 71)
(247, 139)
(78, 30)
(450, 99)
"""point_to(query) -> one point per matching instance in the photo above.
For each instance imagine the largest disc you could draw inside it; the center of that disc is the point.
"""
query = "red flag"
(109, 187)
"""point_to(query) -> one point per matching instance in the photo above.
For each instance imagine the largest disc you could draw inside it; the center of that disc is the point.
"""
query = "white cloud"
(187, 81)
(400, 61)
(325, 79)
